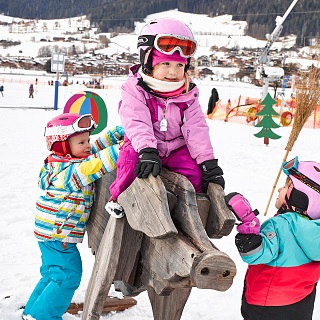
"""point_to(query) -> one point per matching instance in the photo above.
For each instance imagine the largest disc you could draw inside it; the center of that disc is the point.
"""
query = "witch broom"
(307, 98)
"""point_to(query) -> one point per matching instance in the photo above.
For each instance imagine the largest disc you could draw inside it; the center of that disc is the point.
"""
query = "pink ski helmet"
(305, 194)
(61, 127)
(168, 36)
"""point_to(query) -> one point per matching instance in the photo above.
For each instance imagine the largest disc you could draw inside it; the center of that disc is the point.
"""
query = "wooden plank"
(104, 269)
(130, 254)
(146, 206)
(166, 263)
(98, 216)
(186, 216)
(110, 304)
(203, 203)
(168, 307)
(220, 221)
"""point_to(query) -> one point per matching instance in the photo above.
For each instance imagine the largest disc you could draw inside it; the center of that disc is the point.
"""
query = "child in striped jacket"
(67, 179)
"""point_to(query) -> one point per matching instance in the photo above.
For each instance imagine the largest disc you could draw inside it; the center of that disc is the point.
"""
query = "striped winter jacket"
(284, 265)
(63, 210)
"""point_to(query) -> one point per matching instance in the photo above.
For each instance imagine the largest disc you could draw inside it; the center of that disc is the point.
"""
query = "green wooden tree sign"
(267, 123)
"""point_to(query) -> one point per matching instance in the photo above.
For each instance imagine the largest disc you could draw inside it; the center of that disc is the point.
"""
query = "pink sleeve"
(136, 118)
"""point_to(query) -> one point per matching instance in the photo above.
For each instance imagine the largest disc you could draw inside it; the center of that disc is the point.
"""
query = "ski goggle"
(291, 168)
(81, 124)
(290, 165)
(168, 44)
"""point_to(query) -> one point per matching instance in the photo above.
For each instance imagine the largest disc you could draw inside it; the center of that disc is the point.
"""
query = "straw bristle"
(307, 98)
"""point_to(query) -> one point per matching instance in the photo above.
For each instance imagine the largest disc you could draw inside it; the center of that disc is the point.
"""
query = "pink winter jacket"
(141, 113)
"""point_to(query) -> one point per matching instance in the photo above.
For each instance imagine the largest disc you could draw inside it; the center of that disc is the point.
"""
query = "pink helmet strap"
(64, 147)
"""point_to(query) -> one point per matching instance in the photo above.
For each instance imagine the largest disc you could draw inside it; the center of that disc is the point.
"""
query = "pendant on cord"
(163, 124)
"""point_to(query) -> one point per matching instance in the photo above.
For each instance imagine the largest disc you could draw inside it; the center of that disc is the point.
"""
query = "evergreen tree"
(267, 123)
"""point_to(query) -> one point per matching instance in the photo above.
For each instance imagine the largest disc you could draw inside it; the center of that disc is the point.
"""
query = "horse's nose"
(213, 270)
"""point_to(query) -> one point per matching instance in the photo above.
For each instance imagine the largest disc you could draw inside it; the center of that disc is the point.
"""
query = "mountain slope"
(119, 15)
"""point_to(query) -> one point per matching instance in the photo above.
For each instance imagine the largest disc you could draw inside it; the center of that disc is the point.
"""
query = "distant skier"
(31, 91)
(1, 89)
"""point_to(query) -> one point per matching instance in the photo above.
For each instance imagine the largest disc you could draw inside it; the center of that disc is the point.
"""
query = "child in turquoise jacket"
(283, 253)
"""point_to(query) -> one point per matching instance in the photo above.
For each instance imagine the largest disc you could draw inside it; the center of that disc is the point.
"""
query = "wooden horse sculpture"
(162, 245)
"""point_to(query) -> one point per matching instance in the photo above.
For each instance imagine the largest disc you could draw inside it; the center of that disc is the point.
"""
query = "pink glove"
(240, 206)
(252, 227)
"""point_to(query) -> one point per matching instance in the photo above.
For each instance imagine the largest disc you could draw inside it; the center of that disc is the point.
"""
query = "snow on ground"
(249, 167)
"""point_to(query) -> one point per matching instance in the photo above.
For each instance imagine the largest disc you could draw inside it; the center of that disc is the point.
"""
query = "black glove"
(211, 172)
(149, 162)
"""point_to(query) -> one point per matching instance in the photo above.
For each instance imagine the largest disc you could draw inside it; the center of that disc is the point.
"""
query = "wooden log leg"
(98, 216)
(168, 307)
(186, 216)
(104, 269)
(220, 220)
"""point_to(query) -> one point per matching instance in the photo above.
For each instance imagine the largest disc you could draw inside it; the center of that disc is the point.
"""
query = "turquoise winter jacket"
(285, 267)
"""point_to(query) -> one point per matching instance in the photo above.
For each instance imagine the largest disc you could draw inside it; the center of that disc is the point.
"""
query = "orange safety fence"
(243, 111)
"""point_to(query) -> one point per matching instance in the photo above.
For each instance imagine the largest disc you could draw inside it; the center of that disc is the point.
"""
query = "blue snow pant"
(61, 272)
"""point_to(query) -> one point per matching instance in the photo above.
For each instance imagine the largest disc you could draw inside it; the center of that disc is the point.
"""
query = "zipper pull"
(164, 124)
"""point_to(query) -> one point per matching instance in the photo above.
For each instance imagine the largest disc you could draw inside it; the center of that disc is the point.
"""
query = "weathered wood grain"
(146, 206)
(203, 203)
(104, 270)
(186, 216)
(213, 270)
(99, 217)
(169, 307)
(220, 221)
(110, 304)
(161, 245)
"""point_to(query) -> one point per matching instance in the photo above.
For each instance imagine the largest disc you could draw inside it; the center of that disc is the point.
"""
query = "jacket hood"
(52, 166)
(45, 176)
(307, 234)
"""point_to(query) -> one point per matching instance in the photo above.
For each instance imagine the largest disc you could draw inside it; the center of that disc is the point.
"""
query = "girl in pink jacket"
(160, 111)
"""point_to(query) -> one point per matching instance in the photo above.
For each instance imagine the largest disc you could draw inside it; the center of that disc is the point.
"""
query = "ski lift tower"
(264, 70)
